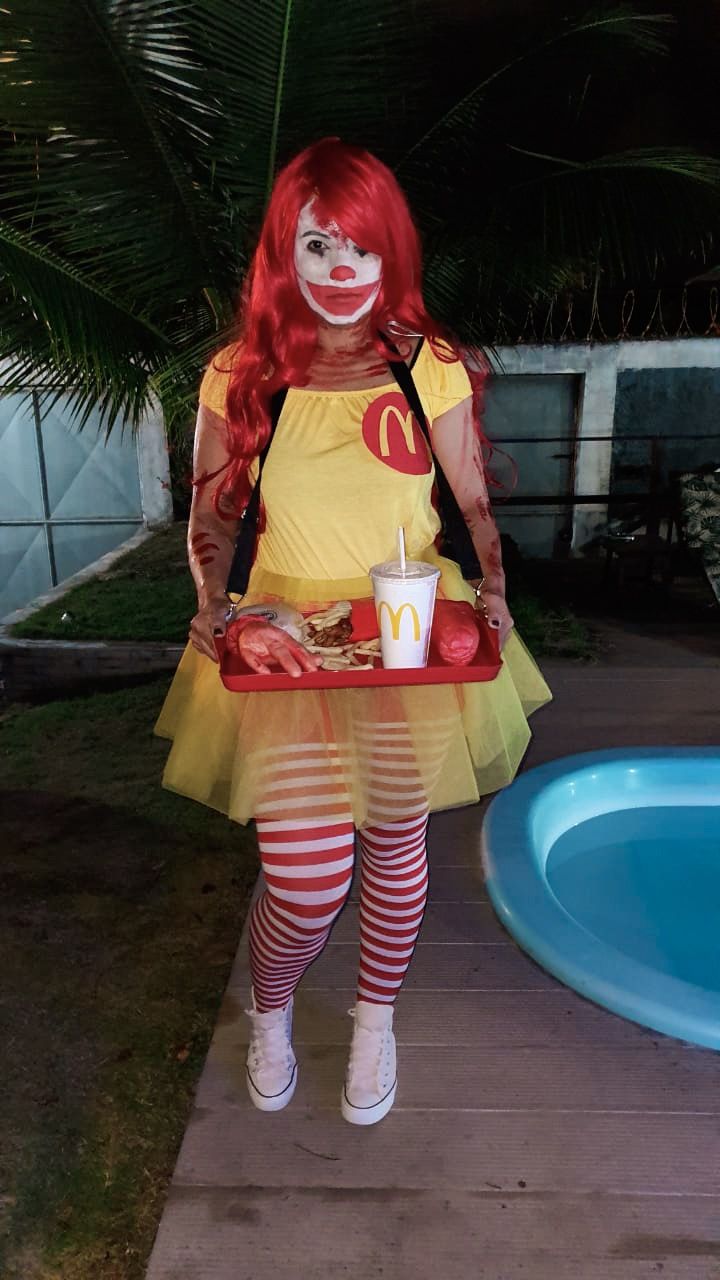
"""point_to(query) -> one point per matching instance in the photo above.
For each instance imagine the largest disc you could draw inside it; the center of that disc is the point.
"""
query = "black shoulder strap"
(252, 510)
(455, 529)
(277, 402)
(244, 553)
(403, 376)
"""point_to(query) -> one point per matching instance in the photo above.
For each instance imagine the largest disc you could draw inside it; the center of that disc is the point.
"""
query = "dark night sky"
(668, 101)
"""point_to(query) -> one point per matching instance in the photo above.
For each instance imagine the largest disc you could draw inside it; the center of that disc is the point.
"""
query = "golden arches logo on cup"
(404, 597)
(395, 617)
(391, 432)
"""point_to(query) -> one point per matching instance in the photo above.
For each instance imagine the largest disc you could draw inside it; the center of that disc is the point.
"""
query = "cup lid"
(417, 569)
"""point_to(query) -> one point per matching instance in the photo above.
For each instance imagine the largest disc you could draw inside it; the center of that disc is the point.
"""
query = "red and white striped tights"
(307, 845)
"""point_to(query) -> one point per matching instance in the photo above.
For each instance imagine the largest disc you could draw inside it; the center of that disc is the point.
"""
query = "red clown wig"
(278, 331)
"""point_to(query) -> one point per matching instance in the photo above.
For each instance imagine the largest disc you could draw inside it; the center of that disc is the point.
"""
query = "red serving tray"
(237, 676)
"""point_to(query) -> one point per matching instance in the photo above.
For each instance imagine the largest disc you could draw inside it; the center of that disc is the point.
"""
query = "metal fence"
(640, 499)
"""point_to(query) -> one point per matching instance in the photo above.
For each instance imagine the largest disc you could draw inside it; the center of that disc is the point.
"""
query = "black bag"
(456, 541)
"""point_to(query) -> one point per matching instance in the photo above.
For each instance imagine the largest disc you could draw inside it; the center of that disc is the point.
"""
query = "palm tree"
(140, 139)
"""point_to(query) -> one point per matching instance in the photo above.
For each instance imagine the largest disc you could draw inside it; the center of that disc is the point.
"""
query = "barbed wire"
(665, 314)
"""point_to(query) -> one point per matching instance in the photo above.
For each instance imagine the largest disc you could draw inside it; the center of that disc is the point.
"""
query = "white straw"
(401, 548)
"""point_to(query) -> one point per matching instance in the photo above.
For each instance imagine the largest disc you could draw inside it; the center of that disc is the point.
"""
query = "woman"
(332, 295)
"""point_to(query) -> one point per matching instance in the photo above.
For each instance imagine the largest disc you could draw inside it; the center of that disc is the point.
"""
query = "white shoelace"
(366, 1056)
(269, 1046)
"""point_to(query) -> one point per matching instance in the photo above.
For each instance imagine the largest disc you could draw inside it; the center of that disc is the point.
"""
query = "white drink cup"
(404, 604)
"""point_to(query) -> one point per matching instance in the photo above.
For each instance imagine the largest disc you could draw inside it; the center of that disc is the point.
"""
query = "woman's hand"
(209, 622)
(260, 644)
(497, 614)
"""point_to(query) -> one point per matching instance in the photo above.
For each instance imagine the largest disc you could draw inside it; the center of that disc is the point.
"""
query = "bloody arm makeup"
(211, 539)
(459, 453)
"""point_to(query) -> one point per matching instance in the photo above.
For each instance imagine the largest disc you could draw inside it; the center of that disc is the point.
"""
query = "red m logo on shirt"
(392, 434)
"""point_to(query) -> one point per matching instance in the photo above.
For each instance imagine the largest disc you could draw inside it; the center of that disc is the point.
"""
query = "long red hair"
(278, 330)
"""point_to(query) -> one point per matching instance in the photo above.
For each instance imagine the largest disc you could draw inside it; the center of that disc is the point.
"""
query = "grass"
(120, 914)
(149, 595)
(550, 631)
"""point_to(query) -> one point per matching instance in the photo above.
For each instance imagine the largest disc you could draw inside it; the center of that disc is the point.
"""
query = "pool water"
(647, 882)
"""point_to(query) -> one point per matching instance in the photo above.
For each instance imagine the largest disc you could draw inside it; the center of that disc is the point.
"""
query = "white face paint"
(339, 280)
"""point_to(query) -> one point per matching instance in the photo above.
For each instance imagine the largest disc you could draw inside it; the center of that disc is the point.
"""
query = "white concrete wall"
(599, 364)
(154, 468)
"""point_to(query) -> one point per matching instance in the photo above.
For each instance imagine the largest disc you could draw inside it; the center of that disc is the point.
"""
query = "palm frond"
(281, 74)
(142, 141)
(53, 319)
(459, 127)
(634, 208)
(59, 288)
(142, 138)
(111, 137)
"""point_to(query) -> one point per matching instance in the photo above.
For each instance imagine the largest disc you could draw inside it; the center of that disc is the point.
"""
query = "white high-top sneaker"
(371, 1079)
(271, 1063)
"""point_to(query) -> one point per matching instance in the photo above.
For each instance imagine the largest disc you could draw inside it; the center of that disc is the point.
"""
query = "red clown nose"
(342, 273)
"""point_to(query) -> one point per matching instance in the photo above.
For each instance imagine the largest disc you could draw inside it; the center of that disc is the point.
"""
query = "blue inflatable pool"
(605, 867)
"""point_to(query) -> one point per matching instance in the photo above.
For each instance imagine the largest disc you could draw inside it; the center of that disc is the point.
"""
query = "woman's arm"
(211, 539)
(211, 545)
(458, 451)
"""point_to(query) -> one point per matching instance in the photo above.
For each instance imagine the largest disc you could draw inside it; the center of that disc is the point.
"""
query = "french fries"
(338, 655)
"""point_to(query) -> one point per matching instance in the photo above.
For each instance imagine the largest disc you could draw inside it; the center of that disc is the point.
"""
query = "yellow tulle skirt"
(468, 740)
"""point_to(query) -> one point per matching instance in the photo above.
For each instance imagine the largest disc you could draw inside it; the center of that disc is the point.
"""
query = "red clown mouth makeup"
(338, 279)
(342, 300)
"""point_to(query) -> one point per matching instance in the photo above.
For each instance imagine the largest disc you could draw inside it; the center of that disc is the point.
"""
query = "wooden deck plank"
(460, 1019)
(444, 922)
(536, 1136)
(234, 1234)
(454, 882)
(574, 1152)
(436, 968)
(454, 835)
(561, 1079)
(626, 707)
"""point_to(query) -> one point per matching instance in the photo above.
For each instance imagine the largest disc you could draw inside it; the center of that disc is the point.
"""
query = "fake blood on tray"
(485, 665)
